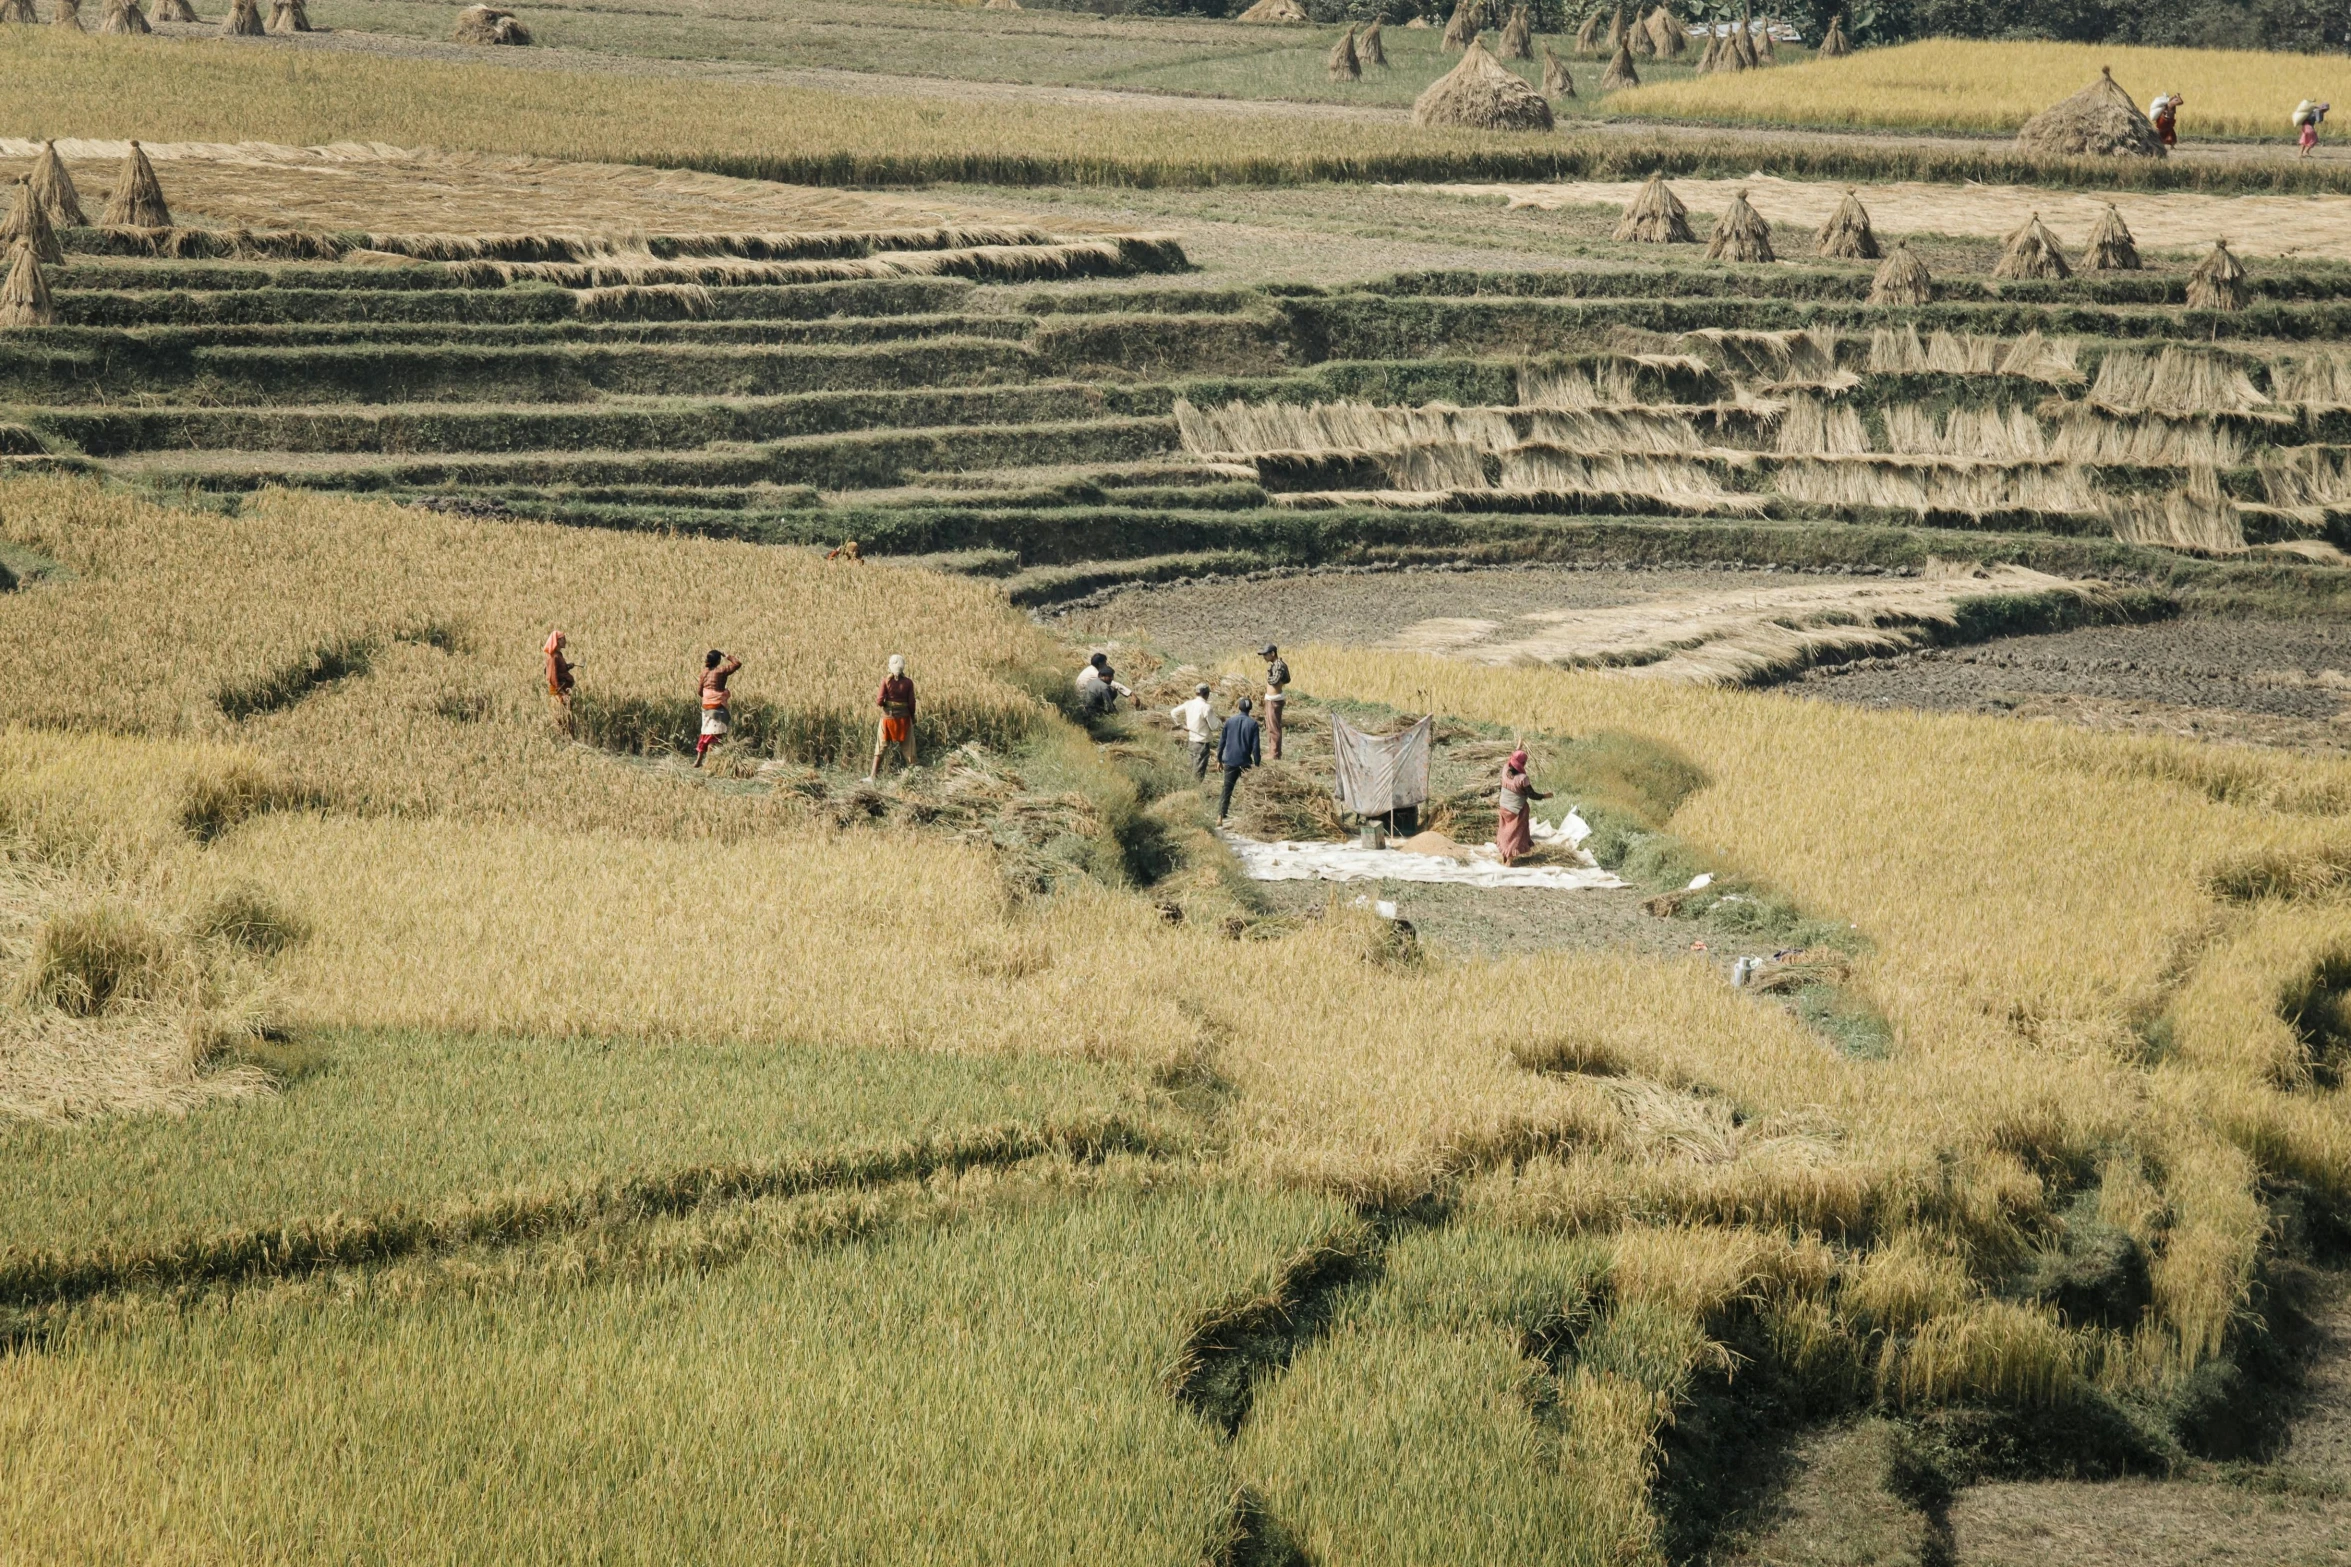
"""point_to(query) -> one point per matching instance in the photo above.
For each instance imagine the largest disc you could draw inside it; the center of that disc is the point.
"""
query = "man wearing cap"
(1195, 716)
(1277, 680)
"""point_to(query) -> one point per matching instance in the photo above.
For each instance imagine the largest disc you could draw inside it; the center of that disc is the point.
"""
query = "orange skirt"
(897, 731)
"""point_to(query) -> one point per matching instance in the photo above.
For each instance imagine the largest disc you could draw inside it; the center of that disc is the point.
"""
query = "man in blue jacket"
(1236, 752)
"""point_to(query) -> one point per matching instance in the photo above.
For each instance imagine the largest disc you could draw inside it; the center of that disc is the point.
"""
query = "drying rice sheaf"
(1683, 486)
(1902, 351)
(2195, 517)
(1811, 425)
(2311, 380)
(2007, 434)
(2085, 435)
(2175, 380)
(1605, 383)
(1801, 357)
(1909, 484)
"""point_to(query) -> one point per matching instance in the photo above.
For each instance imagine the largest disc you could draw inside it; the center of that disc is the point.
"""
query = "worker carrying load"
(897, 704)
(717, 717)
(1098, 687)
(560, 680)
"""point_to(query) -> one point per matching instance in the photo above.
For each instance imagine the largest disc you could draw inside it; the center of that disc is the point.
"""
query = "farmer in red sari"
(560, 680)
(897, 704)
(1514, 833)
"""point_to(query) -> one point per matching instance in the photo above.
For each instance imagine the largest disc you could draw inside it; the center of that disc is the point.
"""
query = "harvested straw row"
(1680, 485)
(2177, 380)
(1119, 256)
(633, 302)
(1909, 484)
(308, 245)
(1805, 356)
(1903, 352)
(2146, 440)
(2197, 520)
(1245, 431)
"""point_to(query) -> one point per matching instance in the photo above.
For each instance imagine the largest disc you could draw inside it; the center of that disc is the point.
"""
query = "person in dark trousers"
(1236, 752)
(1277, 696)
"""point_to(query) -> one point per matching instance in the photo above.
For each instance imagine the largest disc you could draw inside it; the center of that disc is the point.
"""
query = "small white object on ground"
(1383, 908)
(1345, 862)
(1574, 829)
(1701, 880)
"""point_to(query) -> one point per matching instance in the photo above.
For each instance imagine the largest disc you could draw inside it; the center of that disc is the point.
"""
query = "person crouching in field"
(717, 716)
(1194, 716)
(1098, 687)
(560, 680)
(1514, 832)
(897, 704)
(1237, 752)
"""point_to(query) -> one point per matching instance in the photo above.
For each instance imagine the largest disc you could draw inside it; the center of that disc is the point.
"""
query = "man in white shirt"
(1098, 687)
(1197, 717)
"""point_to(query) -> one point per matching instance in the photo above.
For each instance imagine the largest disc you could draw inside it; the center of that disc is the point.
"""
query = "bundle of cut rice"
(2032, 252)
(1729, 57)
(1616, 30)
(1655, 216)
(1463, 30)
(1587, 37)
(1620, 72)
(1518, 37)
(69, 14)
(1763, 44)
(54, 189)
(481, 24)
(17, 11)
(1369, 49)
(24, 298)
(2111, 248)
(1832, 43)
(1710, 58)
(1418, 21)
(124, 16)
(1640, 40)
(1745, 39)
(136, 201)
(27, 224)
(1343, 62)
(1902, 280)
(1556, 79)
(1846, 235)
(1667, 33)
(1740, 234)
(2218, 283)
(2099, 121)
(176, 11)
(288, 16)
(1002, 5)
(244, 20)
(1480, 95)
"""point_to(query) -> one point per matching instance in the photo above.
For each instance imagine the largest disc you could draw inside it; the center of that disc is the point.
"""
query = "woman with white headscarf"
(897, 704)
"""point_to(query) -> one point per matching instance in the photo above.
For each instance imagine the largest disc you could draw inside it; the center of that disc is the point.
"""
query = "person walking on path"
(1237, 752)
(2309, 116)
(2164, 115)
(1098, 687)
(1514, 832)
(897, 704)
(560, 680)
(717, 716)
(1277, 682)
(1196, 716)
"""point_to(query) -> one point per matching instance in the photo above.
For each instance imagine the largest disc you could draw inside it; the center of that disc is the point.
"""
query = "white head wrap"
(897, 663)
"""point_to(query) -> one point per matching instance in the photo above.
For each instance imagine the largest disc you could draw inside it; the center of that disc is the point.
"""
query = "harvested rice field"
(1893, 1109)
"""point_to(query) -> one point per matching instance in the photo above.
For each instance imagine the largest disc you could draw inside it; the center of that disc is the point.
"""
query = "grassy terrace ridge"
(176, 89)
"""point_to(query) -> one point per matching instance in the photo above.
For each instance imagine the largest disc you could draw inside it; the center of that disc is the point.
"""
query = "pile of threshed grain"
(2032, 252)
(1655, 216)
(2099, 121)
(1480, 95)
(1740, 234)
(481, 24)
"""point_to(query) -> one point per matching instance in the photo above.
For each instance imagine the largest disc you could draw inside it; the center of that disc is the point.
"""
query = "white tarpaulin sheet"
(1346, 862)
(1381, 773)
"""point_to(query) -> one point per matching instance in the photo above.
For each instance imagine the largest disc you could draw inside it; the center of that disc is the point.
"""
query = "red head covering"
(1518, 759)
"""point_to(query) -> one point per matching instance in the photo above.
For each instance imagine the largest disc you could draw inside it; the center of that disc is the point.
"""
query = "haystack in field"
(137, 199)
(17, 11)
(481, 24)
(244, 20)
(1275, 11)
(1667, 33)
(288, 16)
(176, 11)
(1369, 49)
(124, 16)
(53, 187)
(1518, 37)
(1846, 235)
(1479, 95)
(1832, 43)
(1620, 72)
(24, 298)
(2100, 121)
(1345, 65)
(2032, 252)
(1556, 79)
(1655, 216)
(1616, 30)
(1764, 49)
(69, 14)
(1745, 39)
(1002, 5)
(2218, 283)
(1740, 234)
(1587, 37)
(1640, 40)
(1463, 29)
(1710, 57)
(1903, 279)
(27, 224)
(1418, 21)
(2111, 248)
